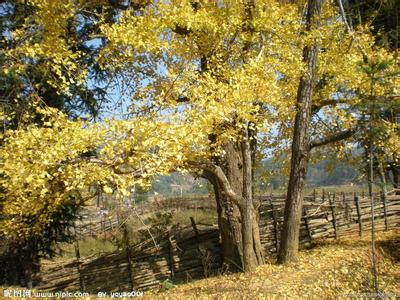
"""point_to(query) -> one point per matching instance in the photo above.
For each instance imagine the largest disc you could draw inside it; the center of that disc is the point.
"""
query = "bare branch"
(343, 14)
(110, 163)
(183, 99)
(338, 136)
(332, 102)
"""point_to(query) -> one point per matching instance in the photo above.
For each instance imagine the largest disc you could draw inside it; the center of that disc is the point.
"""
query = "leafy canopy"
(203, 72)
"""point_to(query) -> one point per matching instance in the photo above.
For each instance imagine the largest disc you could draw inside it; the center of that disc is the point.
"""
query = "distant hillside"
(340, 174)
(324, 173)
(178, 184)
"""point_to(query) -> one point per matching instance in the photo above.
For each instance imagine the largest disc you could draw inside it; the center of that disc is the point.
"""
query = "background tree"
(47, 57)
(384, 19)
(332, 119)
(215, 82)
(301, 144)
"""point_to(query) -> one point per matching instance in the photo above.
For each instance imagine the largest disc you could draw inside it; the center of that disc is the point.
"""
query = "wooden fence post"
(78, 263)
(127, 248)
(170, 255)
(196, 231)
(347, 213)
(275, 223)
(201, 251)
(357, 201)
(383, 197)
(306, 222)
(332, 204)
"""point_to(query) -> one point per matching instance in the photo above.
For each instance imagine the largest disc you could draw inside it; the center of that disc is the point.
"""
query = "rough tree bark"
(232, 177)
(300, 146)
(237, 217)
(251, 252)
(229, 219)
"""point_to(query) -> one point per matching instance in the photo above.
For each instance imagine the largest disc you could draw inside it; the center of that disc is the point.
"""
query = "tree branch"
(338, 136)
(333, 102)
(181, 30)
(111, 164)
(220, 176)
(183, 99)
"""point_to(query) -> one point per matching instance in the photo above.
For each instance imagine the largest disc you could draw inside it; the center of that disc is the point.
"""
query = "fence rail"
(195, 252)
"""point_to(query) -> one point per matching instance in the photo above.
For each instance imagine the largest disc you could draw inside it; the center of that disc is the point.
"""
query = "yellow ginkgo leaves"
(43, 168)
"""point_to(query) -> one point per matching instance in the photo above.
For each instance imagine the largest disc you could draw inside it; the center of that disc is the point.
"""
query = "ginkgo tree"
(45, 167)
(222, 63)
(212, 80)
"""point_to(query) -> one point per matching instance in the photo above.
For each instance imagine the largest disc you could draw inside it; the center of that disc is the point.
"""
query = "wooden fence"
(195, 252)
(97, 223)
(331, 215)
(187, 254)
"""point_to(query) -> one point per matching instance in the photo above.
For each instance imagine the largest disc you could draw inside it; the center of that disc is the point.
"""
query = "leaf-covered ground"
(328, 269)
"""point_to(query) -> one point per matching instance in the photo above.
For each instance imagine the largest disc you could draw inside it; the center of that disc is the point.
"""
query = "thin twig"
(318, 208)
(147, 228)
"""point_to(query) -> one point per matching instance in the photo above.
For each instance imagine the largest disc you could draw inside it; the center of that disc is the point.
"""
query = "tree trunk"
(300, 147)
(382, 175)
(250, 245)
(229, 222)
(238, 224)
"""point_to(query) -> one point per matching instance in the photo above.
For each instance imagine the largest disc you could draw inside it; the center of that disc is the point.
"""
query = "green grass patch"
(89, 246)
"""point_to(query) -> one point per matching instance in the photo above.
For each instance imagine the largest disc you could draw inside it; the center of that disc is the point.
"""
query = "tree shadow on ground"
(391, 248)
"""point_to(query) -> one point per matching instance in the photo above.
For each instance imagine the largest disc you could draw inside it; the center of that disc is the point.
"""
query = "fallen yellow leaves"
(329, 269)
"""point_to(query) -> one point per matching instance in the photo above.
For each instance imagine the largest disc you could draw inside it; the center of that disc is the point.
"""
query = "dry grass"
(329, 269)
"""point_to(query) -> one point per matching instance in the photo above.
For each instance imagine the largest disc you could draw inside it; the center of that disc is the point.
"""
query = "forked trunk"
(238, 225)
